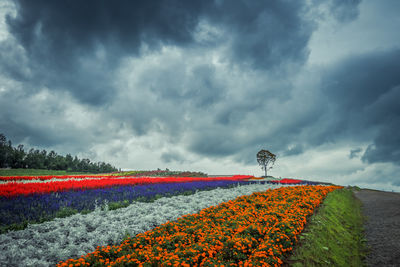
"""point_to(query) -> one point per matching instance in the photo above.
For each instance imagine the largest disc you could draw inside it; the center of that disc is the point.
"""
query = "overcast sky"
(204, 85)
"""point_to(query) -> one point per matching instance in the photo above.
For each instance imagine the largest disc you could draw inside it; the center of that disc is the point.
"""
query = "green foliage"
(11, 157)
(265, 158)
(334, 235)
(35, 172)
(118, 205)
(65, 212)
(13, 227)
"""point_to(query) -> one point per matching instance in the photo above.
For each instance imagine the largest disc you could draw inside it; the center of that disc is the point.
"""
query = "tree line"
(17, 157)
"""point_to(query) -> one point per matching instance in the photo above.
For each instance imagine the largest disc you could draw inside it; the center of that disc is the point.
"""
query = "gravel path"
(382, 227)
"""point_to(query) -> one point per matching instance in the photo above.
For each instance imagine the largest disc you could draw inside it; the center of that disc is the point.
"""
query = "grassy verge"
(35, 172)
(334, 235)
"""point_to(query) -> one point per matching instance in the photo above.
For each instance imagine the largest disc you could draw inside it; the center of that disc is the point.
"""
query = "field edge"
(334, 235)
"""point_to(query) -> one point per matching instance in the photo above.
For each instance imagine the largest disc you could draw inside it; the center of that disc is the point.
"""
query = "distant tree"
(265, 158)
(36, 159)
(6, 152)
(69, 161)
(29, 158)
(18, 157)
(51, 160)
(75, 164)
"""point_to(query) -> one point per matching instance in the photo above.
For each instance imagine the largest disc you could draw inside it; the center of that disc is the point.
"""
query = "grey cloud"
(13, 61)
(264, 35)
(24, 132)
(341, 11)
(74, 46)
(385, 112)
(386, 146)
(216, 141)
(180, 83)
(296, 150)
(382, 173)
(244, 123)
(66, 28)
(77, 47)
(16, 132)
(364, 92)
(357, 100)
(354, 153)
(204, 88)
(344, 10)
(232, 113)
(362, 79)
(41, 121)
(169, 157)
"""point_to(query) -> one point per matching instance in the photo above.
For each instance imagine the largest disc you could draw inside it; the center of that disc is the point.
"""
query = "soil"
(382, 226)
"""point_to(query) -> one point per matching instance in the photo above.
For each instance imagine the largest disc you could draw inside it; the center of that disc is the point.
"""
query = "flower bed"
(287, 181)
(254, 230)
(47, 243)
(43, 207)
(159, 173)
(49, 177)
(13, 189)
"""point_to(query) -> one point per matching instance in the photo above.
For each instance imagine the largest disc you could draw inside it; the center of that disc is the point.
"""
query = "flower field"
(44, 207)
(11, 189)
(156, 173)
(174, 221)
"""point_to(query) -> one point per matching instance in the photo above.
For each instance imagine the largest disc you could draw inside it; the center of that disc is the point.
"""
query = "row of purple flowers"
(18, 212)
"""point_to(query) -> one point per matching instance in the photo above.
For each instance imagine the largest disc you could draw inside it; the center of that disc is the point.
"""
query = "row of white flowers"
(50, 242)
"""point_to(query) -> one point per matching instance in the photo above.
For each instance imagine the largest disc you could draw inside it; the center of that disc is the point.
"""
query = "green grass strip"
(334, 234)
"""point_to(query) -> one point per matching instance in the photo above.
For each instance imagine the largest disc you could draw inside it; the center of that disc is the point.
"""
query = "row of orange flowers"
(255, 230)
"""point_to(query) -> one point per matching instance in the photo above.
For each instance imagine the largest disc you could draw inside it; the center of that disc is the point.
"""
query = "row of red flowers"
(14, 189)
(287, 181)
(160, 173)
(255, 230)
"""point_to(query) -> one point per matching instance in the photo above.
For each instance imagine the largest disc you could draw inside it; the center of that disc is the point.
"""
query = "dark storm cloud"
(386, 112)
(356, 100)
(364, 92)
(363, 79)
(265, 34)
(76, 46)
(354, 153)
(177, 83)
(344, 10)
(68, 28)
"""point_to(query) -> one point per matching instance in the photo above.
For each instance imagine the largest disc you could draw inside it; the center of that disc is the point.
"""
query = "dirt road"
(382, 226)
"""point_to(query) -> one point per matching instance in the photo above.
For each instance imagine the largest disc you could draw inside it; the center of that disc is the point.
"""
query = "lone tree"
(264, 158)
